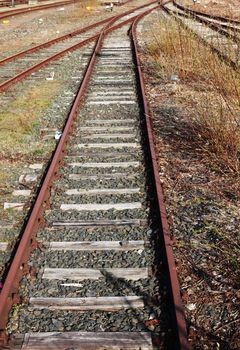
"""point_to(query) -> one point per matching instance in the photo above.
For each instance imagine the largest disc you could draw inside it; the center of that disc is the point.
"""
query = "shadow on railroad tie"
(157, 319)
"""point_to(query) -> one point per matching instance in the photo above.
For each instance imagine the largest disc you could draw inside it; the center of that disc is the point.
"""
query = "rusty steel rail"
(221, 28)
(222, 56)
(15, 12)
(218, 27)
(208, 15)
(6, 84)
(54, 41)
(178, 318)
(16, 2)
(58, 39)
(19, 266)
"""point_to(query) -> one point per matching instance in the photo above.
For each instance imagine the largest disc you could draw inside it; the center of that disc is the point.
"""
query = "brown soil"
(228, 8)
(202, 206)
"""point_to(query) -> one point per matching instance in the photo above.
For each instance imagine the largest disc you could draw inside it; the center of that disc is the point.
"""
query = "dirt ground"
(202, 206)
(31, 29)
(228, 8)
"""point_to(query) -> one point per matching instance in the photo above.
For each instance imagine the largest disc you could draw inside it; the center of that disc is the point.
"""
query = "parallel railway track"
(225, 26)
(16, 67)
(222, 36)
(94, 268)
(206, 15)
(16, 12)
(21, 11)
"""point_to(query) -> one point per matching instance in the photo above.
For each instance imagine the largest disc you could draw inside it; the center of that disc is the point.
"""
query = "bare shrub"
(214, 105)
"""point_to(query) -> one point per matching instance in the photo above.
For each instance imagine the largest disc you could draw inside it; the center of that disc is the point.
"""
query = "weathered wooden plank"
(105, 176)
(97, 223)
(101, 207)
(110, 121)
(36, 166)
(109, 145)
(3, 246)
(88, 341)
(82, 274)
(14, 206)
(102, 191)
(24, 193)
(109, 136)
(27, 178)
(118, 94)
(111, 102)
(105, 128)
(97, 245)
(113, 97)
(101, 154)
(87, 304)
(105, 164)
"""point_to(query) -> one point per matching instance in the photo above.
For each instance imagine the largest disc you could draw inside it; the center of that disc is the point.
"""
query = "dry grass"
(20, 140)
(19, 123)
(227, 8)
(82, 9)
(214, 101)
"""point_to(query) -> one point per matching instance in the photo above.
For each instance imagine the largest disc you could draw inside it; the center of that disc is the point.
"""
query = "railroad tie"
(88, 341)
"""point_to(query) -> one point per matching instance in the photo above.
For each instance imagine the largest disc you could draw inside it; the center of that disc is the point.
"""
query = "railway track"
(18, 66)
(206, 15)
(222, 37)
(16, 12)
(95, 259)
(4, 3)
(224, 26)
(20, 11)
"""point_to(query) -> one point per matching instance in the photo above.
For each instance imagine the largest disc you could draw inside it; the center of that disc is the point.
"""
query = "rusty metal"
(16, 2)
(218, 27)
(218, 18)
(19, 264)
(6, 84)
(221, 55)
(54, 41)
(15, 12)
(63, 37)
(177, 310)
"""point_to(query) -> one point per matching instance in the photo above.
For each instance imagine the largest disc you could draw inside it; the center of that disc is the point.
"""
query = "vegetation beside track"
(47, 25)
(194, 98)
(227, 8)
(209, 88)
(19, 123)
(21, 142)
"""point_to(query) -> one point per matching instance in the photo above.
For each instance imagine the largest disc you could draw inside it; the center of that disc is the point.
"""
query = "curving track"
(206, 15)
(18, 66)
(225, 26)
(222, 37)
(96, 252)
